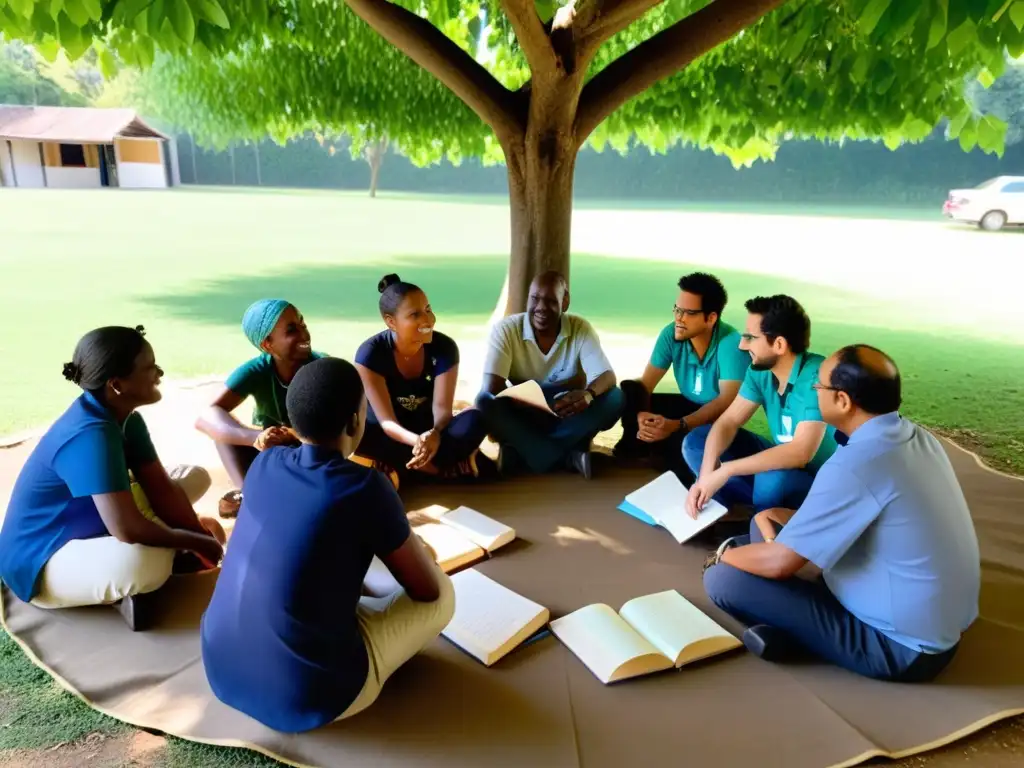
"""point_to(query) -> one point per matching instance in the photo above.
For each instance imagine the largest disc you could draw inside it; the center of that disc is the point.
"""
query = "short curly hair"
(322, 398)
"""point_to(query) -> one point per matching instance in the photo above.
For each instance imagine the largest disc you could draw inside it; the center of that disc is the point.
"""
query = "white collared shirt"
(574, 360)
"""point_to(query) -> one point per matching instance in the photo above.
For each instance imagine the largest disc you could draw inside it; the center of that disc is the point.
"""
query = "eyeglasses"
(679, 311)
(818, 386)
(748, 336)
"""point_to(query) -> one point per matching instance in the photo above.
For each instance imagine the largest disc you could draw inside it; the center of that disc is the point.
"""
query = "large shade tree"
(540, 78)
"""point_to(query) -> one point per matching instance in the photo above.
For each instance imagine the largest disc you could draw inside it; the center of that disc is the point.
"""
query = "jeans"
(667, 404)
(810, 615)
(541, 440)
(776, 488)
(463, 435)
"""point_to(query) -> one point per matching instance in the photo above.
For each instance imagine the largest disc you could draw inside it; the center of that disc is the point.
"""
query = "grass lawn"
(942, 300)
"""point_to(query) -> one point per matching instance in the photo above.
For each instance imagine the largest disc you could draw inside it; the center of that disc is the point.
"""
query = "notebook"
(649, 634)
(663, 501)
(528, 392)
(461, 536)
(490, 619)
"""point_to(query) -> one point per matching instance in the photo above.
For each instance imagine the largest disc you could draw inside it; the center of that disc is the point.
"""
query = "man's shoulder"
(510, 327)
(727, 334)
(577, 325)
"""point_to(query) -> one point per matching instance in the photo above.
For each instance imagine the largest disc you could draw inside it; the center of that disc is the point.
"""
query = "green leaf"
(183, 22)
(56, 6)
(49, 49)
(211, 11)
(872, 15)
(93, 8)
(985, 78)
(956, 125)
(1017, 15)
(969, 136)
(145, 52)
(23, 8)
(940, 19)
(959, 38)
(155, 17)
(903, 16)
(75, 9)
(108, 63)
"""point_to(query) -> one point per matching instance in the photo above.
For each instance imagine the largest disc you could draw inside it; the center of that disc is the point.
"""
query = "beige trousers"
(104, 570)
(395, 628)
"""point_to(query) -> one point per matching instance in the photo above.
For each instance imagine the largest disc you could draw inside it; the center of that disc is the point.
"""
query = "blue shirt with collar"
(280, 638)
(888, 524)
(84, 452)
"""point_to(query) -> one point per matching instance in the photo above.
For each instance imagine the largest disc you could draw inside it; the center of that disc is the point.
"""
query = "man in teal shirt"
(735, 466)
(705, 356)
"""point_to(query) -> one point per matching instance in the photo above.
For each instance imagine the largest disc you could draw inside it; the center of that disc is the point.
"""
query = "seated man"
(288, 638)
(563, 354)
(887, 524)
(704, 353)
(755, 471)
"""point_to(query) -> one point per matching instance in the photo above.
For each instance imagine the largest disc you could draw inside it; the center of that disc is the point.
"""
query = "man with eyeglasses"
(708, 364)
(740, 468)
(886, 522)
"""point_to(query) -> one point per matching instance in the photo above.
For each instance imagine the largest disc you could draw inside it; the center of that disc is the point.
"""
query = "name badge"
(698, 383)
(787, 429)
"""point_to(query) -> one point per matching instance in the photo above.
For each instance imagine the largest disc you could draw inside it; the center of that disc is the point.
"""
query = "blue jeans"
(777, 488)
(541, 440)
(810, 615)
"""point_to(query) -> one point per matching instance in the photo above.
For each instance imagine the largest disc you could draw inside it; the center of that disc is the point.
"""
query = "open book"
(461, 536)
(490, 619)
(649, 634)
(530, 393)
(663, 502)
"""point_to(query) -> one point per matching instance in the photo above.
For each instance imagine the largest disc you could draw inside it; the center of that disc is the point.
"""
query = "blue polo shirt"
(888, 524)
(698, 379)
(280, 639)
(797, 403)
(84, 452)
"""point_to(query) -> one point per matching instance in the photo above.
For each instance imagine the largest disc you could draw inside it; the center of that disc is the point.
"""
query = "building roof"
(73, 125)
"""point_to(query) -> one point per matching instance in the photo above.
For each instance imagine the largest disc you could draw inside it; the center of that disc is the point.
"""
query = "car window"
(1015, 186)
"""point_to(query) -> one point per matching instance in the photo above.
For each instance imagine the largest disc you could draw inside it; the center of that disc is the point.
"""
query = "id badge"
(787, 429)
(698, 383)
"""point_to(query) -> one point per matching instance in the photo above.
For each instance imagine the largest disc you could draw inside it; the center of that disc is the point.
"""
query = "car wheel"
(993, 221)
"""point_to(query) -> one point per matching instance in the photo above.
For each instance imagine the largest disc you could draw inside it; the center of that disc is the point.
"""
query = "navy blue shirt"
(411, 399)
(84, 452)
(280, 639)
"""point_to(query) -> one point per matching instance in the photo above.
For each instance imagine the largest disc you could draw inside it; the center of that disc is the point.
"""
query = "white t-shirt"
(574, 360)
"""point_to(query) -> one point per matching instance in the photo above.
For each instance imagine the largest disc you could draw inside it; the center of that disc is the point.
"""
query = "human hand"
(764, 524)
(652, 428)
(272, 436)
(209, 550)
(572, 402)
(702, 491)
(424, 449)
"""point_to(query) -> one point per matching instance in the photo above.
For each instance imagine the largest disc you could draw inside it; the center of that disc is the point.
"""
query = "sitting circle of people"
(859, 546)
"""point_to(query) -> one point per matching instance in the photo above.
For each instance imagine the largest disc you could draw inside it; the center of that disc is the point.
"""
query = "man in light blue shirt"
(887, 524)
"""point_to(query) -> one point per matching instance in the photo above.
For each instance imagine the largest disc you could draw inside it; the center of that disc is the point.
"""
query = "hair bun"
(140, 330)
(387, 281)
(71, 373)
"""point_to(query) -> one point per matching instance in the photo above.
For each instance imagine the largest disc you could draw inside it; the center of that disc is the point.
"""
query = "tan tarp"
(540, 705)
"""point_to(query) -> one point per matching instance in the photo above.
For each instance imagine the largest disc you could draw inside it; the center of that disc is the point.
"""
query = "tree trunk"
(375, 158)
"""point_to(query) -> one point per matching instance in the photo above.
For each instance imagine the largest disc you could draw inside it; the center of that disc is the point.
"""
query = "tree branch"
(532, 37)
(663, 55)
(606, 18)
(426, 45)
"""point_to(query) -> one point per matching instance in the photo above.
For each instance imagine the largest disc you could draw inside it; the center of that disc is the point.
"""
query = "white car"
(992, 205)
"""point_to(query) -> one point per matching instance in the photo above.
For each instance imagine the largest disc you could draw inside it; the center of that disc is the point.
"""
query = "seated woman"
(298, 632)
(278, 331)
(409, 372)
(94, 517)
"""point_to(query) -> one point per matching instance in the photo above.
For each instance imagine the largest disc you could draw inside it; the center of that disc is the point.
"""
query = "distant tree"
(1003, 98)
(22, 80)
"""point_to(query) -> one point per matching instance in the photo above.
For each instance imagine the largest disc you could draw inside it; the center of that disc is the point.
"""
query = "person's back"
(921, 551)
(286, 598)
(289, 637)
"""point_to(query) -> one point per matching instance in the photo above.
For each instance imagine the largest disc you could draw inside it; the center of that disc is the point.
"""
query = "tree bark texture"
(542, 126)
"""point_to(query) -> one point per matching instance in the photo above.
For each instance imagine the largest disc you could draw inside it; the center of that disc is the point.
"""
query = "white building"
(82, 148)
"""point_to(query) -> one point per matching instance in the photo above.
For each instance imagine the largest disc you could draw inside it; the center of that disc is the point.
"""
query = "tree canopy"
(891, 69)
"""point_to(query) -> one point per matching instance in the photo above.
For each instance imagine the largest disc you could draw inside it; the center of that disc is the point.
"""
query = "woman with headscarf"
(409, 372)
(277, 329)
(94, 517)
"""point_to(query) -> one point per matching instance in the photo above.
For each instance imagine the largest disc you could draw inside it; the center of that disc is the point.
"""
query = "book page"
(676, 627)
(490, 619)
(664, 499)
(452, 548)
(528, 392)
(482, 530)
(607, 645)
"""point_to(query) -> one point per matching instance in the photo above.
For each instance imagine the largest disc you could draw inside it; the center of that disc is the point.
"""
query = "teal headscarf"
(260, 318)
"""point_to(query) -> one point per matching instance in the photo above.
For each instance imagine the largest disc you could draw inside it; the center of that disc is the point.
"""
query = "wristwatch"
(588, 395)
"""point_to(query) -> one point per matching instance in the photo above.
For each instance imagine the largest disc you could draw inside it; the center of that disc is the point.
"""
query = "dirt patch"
(97, 750)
